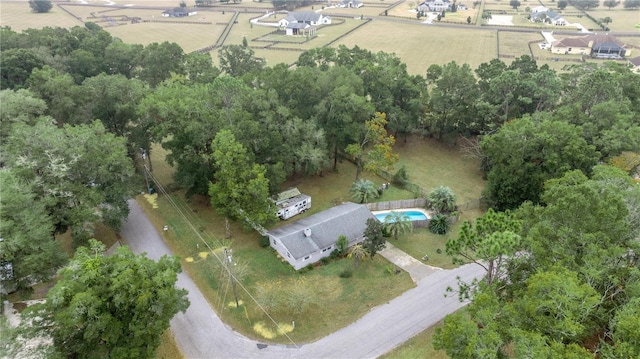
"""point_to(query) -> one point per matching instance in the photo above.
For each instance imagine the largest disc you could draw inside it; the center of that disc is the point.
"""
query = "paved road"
(201, 334)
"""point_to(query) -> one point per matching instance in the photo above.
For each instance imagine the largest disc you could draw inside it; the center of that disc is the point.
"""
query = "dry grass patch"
(623, 20)
(189, 36)
(168, 348)
(419, 346)
(516, 43)
(18, 16)
(420, 45)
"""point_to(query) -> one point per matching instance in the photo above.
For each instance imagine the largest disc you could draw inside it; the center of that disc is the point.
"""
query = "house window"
(288, 254)
(307, 257)
(275, 242)
(326, 249)
(569, 49)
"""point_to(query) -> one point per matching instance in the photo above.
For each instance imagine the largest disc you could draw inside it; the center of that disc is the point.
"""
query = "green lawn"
(420, 45)
(516, 43)
(623, 19)
(418, 347)
(371, 283)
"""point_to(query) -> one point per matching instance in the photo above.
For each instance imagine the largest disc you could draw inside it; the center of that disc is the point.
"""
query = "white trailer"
(291, 202)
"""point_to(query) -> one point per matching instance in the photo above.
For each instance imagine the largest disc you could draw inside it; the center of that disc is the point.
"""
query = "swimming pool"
(414, 215)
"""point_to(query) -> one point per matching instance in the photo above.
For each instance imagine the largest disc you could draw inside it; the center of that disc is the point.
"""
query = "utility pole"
(227, 254)
(144, 169)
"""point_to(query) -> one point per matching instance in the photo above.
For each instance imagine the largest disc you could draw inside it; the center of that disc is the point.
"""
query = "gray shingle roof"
(302, 16)
(347, 219)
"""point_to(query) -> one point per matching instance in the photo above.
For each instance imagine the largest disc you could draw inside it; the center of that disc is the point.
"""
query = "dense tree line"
(563, 276)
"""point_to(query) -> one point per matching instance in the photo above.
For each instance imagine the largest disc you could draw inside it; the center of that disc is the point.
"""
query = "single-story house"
(538, 9)
(548, 17)
(350, 3)
(303, 22)
(434, 6)
(601, 46)
(310, 239)
(179, 12)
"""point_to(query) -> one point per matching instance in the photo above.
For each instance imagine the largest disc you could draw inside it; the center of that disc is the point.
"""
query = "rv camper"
(292, 202)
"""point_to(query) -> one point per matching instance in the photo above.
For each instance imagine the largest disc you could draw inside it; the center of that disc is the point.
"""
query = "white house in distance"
(179, 12)
(301, 22)
(538, 9)
(548, 17)
(350, 3)
(435, 6)
(310, 239)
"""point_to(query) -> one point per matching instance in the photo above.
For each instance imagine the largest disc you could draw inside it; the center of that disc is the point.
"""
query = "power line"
(193, 228)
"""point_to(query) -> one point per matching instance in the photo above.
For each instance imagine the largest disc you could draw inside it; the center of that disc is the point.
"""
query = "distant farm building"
(179, 12)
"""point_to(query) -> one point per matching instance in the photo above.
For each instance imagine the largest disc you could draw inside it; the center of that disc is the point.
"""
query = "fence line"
(404, 203)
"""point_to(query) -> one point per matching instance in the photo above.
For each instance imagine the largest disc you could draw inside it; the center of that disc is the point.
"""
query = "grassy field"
(431, 164)
(420, 45)
(18, 15)
(515, 43)
(623, 19)
(418, 347)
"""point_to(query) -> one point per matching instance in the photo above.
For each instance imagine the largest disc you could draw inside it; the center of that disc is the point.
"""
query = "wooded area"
(78, 106)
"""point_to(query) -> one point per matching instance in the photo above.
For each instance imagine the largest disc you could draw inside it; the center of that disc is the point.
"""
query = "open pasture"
(420, 45)
(516, 43)
(623, 19)
(18, 16)
(190, 37)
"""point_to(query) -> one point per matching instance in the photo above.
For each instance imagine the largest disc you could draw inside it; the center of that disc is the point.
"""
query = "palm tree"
(397, 223)
(442, 199)
(363, 190)
(358, 253)
(439, 224)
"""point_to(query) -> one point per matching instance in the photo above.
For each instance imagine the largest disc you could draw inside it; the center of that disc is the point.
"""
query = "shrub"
(439, 224)
(347, 273)
(307, 268)
(386, 232)
(401, 177)
(342, 245)
(264, 241)
(325, 260)
(335, 254)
